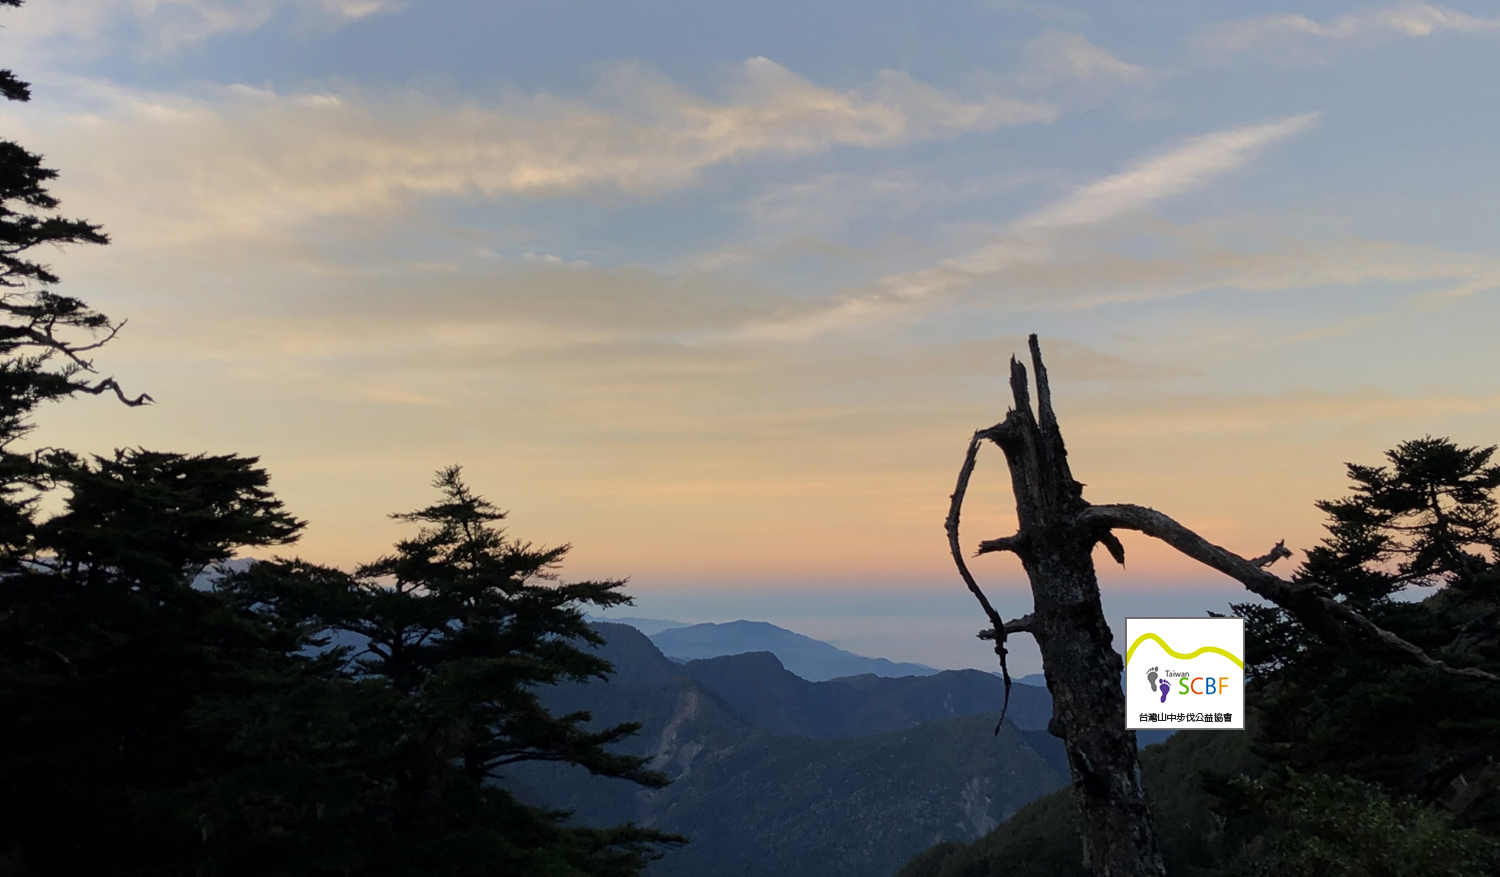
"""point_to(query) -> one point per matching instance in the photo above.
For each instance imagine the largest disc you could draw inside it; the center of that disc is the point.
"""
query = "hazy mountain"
(758, 688)
(857, 807)
(648, 626)
(774, 774)
(809, 658)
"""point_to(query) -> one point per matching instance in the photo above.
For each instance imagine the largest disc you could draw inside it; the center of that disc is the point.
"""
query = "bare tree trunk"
(1082, 667)
(1055, 541)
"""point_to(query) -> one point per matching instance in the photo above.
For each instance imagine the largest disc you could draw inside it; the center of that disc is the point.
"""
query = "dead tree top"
(1038, 462)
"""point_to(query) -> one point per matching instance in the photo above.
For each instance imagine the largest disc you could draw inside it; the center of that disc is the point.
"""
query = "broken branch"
(1015, 625)
(1004, 543)
(1307, 602)
(1276, 553)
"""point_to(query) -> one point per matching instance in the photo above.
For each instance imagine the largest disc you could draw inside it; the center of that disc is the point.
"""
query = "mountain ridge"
(812, 659)
(758, 686)
(764, 783)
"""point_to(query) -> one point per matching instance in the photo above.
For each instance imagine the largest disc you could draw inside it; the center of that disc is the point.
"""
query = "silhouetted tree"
(111, 654)
(1058, 530)
(444, 645)
(105, 646)
(1427, 520)
(45, 338)
(292, 719)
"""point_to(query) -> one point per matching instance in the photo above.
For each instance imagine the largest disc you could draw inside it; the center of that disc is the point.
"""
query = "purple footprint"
(1164, 689)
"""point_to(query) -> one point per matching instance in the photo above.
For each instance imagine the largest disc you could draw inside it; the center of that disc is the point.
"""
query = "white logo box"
(1185, 673)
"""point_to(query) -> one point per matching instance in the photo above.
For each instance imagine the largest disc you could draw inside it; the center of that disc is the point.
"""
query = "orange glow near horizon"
(739, 328)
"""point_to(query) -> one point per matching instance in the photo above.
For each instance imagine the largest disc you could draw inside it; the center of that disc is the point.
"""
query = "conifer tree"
(454, 635)
(45, 338)
(1426, 520)
(114, 660)
(287, 720)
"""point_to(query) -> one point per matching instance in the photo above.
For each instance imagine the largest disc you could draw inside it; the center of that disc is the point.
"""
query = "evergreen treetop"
(288, 719)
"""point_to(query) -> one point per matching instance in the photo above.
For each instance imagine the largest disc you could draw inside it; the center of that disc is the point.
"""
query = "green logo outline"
(1176, 654)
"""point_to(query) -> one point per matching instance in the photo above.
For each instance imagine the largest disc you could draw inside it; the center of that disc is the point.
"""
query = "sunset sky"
(718, 292)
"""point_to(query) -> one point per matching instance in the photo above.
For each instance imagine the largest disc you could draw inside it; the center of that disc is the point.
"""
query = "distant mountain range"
(777, 774)
(648, 626)
(811, 659)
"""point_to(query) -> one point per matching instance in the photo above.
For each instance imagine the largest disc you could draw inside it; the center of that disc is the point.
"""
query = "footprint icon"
(1164, 689)
(1151, 677)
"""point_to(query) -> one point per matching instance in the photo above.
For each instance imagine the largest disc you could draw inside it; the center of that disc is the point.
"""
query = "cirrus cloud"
(241, 162)
(1030, 243)
(1290, 38)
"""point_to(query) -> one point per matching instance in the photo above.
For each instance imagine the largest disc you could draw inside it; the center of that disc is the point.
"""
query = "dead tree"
(1055, 539)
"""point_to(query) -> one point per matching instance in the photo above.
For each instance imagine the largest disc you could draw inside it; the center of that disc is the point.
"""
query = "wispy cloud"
(1058, 56)
(1290, 38)
(1081, 270)
(1168, 174)
(243, 162)
(1031, 240)
(829, 203)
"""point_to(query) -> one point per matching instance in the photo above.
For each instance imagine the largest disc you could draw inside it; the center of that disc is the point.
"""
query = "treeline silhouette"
(162, 714)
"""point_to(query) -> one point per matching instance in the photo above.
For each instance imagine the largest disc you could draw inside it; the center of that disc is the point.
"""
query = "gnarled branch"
(1308, 603)
(1277, 552)
(1012, 544)
(1015, 625)
(955, 506)
(109, 384)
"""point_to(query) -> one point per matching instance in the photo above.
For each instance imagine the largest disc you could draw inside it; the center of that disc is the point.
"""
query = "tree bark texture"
(1055, 539)
(1078, 656)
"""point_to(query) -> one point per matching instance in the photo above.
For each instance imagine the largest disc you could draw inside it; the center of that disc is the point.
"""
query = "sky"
(717, 292)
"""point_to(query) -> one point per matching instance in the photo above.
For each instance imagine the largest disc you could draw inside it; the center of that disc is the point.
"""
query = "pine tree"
(115, 655)
(1426, 520)
(289, 719)
(45, 338)
(106, 646)
(444, 647)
